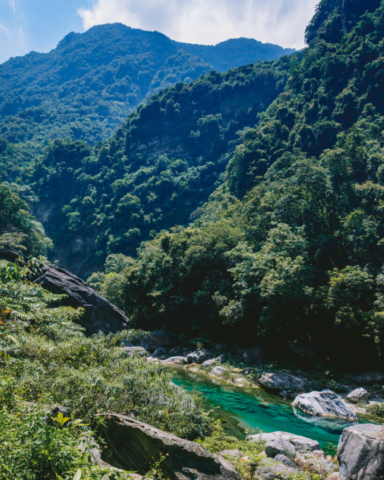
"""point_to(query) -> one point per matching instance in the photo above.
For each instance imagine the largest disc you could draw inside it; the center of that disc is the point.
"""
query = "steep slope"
(290, 247)
(159, 167)
(87, 86)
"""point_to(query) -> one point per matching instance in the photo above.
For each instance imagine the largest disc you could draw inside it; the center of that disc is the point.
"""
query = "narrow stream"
(255, 410)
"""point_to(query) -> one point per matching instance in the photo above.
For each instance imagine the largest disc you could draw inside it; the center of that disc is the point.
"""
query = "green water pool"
(255, 410)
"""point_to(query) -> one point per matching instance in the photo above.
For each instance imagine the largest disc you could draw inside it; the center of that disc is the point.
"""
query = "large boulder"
(175, 361)
(278, 382)
(324, 404)
(301, 444)
(360, 395)
(99, 314)
(279, 446)
(199, 356)
(135, 446)
(132, 351)
(361, 453)
(253, 354)
(217, 370)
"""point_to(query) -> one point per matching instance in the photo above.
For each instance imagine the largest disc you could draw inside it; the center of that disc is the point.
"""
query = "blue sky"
(39, 25)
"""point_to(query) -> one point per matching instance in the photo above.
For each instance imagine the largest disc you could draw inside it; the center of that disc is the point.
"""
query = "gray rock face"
(361, 453)
(301, 444)
(371, 376)
(130, 351)
(134, 445)
(99, 315)
(278, 382)
(210, 362)
(175, 361)
(286, 461)
(324, 404)
(217, 370)
(269, 469)
(360, 395)
(199, 356)
(158, 338)
(253, 354)
(279, 446)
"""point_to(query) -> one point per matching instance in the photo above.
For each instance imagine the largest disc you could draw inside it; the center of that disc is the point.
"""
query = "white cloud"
(209, 21)
(4, 29)
(12, 4)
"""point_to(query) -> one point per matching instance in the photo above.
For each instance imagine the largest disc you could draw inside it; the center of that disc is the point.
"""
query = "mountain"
(86, 87)
(160, 166)
(289, 248)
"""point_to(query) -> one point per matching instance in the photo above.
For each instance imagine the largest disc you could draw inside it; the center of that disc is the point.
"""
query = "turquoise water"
(254, 410)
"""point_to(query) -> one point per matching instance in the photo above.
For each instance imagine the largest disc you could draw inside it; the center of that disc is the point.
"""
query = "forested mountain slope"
(291, 246)
(159, 167)
(87, 86)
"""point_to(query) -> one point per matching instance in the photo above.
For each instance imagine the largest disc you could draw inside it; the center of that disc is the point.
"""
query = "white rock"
(360, 395)
(217, 370)
(175, 361)
(130, 351)
(324, 404)
(301, 444)
(278, 382)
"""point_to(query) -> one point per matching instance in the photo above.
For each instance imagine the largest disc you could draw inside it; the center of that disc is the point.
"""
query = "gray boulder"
(270, 469)
(217, 370)
(361, 453)
(279, 446)
(324, 404)
(286, 461)
(175, 361)
(133, 446)
(371, 376)
(210, 362)
(360, 395)
(278, 382)
(199, 356)
(301, 444)
(131, 351)
(253, 354)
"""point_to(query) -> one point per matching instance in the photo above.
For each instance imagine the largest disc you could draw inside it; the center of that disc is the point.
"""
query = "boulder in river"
(324, 404)
(134, 446)
(253, 354)
(99, 313)
(361, 453)
(278, 382)
(158, 338)
(301, 444)
(360, 395)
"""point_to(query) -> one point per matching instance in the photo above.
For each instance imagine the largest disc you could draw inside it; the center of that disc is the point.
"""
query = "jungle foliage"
(290, 246)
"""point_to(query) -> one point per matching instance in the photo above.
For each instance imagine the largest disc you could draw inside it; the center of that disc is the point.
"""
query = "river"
(254, 410)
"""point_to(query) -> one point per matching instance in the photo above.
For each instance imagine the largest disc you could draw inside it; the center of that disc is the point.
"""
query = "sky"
(39, 25)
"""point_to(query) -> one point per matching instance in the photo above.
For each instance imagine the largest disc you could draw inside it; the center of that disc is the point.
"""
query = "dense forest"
(159, 167)
(85, 88)
(289, 247)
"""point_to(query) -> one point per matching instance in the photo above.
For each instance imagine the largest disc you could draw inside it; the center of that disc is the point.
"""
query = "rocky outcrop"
(301, 444)
(99, 314)
(175, 361)
(134, 446)
(253, 354)
(278, 382)
(279, 446)
(270, 469)
(360, 395)
(361, 453)
(324, 404)
(199, 356)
